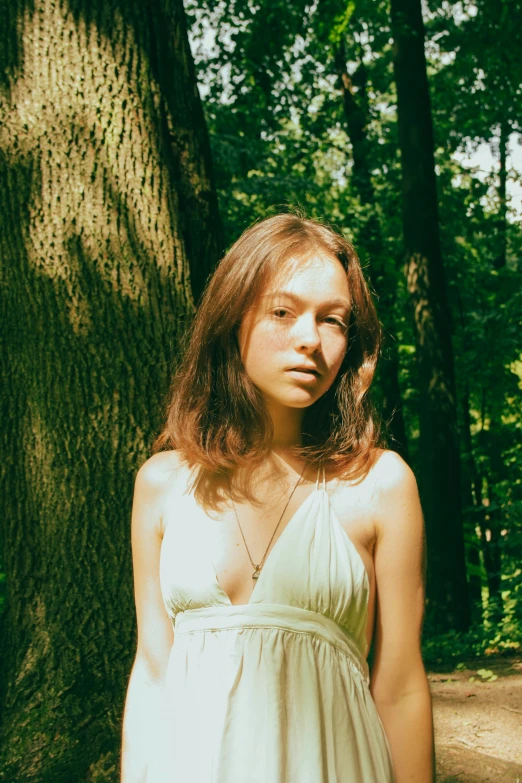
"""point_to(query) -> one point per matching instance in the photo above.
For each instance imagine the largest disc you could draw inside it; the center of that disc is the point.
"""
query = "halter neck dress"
(275, 690)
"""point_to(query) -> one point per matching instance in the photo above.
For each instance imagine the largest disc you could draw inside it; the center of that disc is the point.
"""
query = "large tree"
(108, 215)
(439, 459)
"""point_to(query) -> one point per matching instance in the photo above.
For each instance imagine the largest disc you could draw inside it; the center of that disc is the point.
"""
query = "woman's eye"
(280, 312)
(335, 321)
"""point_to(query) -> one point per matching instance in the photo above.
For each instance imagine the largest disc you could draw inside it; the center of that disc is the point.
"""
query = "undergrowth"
(480, 641)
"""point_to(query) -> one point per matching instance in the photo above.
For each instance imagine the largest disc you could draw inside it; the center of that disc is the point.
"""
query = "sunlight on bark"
(99, 187)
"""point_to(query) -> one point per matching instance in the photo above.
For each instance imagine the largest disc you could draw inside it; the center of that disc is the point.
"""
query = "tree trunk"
(493, 523)
(372, 244)
(448, 602)
(107, 211)
(472, 501)
(500, 260)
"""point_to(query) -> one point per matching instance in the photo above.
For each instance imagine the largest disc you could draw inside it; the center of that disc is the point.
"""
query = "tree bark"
(107, 211)
(439, 480)
(187, 147)
(381, 276)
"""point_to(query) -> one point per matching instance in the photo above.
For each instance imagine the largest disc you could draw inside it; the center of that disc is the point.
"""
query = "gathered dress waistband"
(288, 618)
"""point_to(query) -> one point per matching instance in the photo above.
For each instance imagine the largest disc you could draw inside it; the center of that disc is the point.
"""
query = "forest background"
(136, 143)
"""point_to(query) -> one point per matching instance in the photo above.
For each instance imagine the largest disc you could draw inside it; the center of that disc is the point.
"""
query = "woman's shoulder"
(161, 474)
(159, 480)
(160, 468)
(387, 470)
(390, 471)
(389, 482)
(395, 493)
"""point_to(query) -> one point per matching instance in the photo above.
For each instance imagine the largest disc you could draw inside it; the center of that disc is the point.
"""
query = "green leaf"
(340, 24)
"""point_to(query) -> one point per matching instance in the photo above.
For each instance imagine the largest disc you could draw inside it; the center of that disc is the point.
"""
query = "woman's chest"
(320, 545)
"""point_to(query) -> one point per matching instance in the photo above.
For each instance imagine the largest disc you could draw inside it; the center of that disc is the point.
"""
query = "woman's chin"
(300, 398)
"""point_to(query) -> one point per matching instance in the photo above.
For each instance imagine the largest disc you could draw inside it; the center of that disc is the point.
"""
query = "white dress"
(276, 690)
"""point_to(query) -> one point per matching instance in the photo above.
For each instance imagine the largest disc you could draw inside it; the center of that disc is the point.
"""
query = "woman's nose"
(306, 334)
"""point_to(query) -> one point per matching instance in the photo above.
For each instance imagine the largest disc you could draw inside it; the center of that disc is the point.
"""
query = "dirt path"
(478, 725)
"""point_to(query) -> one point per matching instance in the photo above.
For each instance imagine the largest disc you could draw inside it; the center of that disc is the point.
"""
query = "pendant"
(256, 573)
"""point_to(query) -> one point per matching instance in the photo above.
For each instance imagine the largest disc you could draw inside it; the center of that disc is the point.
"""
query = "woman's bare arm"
(398, 680)
(155, 633)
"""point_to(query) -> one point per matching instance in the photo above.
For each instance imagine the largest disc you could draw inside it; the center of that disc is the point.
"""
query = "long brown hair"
(215, 416)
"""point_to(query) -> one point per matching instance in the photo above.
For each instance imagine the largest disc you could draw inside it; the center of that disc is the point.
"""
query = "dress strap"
(321, 473)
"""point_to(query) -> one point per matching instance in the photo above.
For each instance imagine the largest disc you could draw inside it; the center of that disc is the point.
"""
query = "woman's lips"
(308, 376)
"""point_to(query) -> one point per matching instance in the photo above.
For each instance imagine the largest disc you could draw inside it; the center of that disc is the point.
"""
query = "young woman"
(274, 540)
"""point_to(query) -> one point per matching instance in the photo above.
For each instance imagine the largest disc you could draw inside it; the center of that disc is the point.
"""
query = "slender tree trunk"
(492, 538)
(472, 499)
(473, 503)
(107, 210)
(381, 273)
(440, 473)
(505, 130)
(493, 565)
(489, 533)
(493, 523)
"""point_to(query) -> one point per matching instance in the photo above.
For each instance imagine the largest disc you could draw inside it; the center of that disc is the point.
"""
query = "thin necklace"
(257, 568)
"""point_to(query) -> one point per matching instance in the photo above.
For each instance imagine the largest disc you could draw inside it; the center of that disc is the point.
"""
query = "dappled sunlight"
(98, 181)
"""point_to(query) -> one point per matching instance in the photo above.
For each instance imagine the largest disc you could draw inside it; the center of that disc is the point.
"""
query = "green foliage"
(339, 24)
(449, 649)
(279, 137)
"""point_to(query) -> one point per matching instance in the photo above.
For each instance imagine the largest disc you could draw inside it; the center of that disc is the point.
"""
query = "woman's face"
(293, 340)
